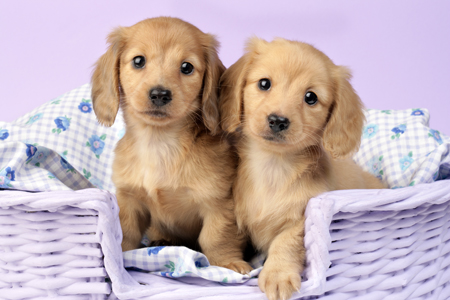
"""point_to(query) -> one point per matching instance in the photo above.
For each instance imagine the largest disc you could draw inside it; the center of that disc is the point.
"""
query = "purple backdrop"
(399, 51)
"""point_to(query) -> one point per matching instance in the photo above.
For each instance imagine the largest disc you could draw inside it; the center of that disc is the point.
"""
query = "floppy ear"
(232, 84)
(343, 131)
(210, 94)
(105, 80)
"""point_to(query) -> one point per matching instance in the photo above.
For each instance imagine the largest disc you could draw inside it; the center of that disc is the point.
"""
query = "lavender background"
(399, 50)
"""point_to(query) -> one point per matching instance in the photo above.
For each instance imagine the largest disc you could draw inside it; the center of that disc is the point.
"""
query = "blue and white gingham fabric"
(61, 146)
(175, 262)
(398, 147)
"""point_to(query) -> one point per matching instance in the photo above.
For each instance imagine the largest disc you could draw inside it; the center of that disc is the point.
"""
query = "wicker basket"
(361, 244)
(386, 244)
(51, 244)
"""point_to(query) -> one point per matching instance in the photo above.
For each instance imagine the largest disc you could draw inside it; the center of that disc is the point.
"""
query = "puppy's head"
(288, 96)
(162, 70)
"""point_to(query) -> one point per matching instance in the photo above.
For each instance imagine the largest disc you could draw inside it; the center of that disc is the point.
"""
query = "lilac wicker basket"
(361, 244)
(379, 244)
(53, 244)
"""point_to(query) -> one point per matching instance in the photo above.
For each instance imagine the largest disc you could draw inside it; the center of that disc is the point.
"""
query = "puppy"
(172, 170)
(296, 114)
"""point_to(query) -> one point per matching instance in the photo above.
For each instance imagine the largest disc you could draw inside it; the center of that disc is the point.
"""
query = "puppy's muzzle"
(277, 123)
(160, 96)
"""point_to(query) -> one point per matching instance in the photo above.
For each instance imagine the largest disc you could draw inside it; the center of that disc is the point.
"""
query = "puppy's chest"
(269, 184)
(272, 196)
(265, 202)
(175, 168)
(271, 173)
(160, 164)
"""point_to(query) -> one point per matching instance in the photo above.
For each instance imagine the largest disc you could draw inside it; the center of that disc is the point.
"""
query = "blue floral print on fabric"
(31, 150)
(5, 182)
(66, 165)
(10, 173)
(406, 161)
(171, 267)
(370, 131)
(167, 274)
(34, 118)
(3, 134)
(175, 270)
(436, 135)
(62, 124)
(375, 166)
(86, 174)
(97, 182)
(40, 156)
(417, 112)
(96, 144)
(6, 176)
(154, 250)
(85, 106)
(400, 129)
(202, 262)
(41, 135)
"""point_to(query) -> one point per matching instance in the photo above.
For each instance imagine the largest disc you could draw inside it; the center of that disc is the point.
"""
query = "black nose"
(277, 123)
(160, 96)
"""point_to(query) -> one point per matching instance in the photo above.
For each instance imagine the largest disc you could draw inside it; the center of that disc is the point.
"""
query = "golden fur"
(279, 172)
(172, 170)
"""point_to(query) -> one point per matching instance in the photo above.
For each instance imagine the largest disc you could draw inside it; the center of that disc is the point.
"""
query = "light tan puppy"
(295, 113)
(172, 170)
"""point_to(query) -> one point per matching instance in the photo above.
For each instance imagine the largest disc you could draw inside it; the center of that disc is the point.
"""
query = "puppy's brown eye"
(264, 84)
(310, 98)
(139, 62)
(187, 68)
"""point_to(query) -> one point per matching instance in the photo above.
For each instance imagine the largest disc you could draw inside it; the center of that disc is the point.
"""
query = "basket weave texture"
(361, 244)
(52, 244)
(385, 244)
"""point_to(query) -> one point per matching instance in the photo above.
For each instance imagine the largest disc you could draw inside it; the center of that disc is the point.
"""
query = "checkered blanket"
(61, 146)
(175, 262)
(399, 148)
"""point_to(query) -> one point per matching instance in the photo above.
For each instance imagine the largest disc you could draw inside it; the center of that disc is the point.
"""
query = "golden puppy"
(173, 173)
(296, 113)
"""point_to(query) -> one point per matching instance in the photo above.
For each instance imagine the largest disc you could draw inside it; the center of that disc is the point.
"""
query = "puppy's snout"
(160, 96)
(277, 123)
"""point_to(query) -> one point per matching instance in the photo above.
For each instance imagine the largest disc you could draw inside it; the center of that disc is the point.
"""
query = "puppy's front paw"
(239, 266)
(278, 283)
